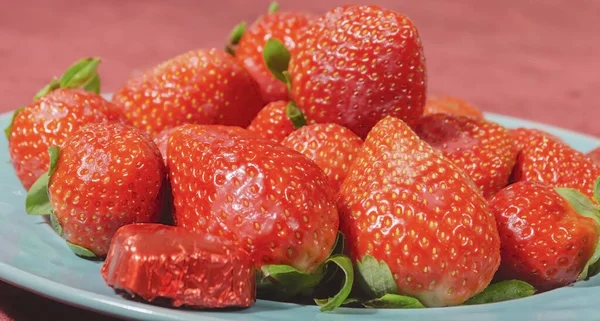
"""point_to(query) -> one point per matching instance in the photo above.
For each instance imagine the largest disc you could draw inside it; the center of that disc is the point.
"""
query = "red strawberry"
(330, 146)
(270, 200)
(357, 64)
(277, 120)
(59, 109)
(451, 105)
(412, 209)
(594, 155)
(551, 161)
(483, 149)
(200, 86)
(284, 26)
(103, 176)
(545, 241)
(161, 141)
(522, 135)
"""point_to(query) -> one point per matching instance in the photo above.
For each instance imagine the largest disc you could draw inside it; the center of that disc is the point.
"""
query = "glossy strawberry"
(269, 199)
(521, 135)
(357, 64)
(161, 141)
(284, 26)
(484, 150)
(48, 122)
(451, 105)
(277, 120)
(330, 146)
(551, 161)
(200, 86)
(594, 155)
(412, 209)
(545, 241)
(104, 176)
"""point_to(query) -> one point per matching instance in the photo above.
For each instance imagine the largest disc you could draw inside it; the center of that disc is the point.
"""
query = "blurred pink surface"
(531, 59)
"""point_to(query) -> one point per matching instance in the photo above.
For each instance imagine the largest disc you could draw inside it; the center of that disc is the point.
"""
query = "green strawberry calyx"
(502, 291)
(273, 7)
(82, 74)
(37, 201)
(585, 207)
(234, 38)
(277, 59)
(8, 128)
(295, 115)
(284, 281)
(378, 289)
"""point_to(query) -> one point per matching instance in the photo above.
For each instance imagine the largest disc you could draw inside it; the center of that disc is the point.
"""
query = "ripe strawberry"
(522, 135)
(451, 105)
(357, 64)
(594, 155)
(551, 161)
(103, 176)
(270, 200)
(161, 141)
(412, 209)
(200, 86)
(483, 149)
(284, 26)
(330, 146)
(545, 241)
(277, 120)
(59, 109)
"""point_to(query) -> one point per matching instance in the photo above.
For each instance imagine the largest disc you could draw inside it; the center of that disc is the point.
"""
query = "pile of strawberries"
(310, 144)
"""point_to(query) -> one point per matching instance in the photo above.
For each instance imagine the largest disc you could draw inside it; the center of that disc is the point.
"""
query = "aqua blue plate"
(34, 258)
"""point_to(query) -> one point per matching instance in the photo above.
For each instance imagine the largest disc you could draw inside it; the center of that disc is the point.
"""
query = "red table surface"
(532, 59)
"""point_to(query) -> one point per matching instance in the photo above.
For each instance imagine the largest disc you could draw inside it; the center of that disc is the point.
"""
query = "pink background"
(532, 59)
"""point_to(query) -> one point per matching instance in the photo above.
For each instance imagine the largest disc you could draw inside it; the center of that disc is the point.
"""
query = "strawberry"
(266, 198)
(330, 146)
(546, 239)
(354, 66)
(200, 86)
(277, 120)
(161, 141)
(406, 206)
(451, 105)
(102, 177)
(594, 155)
(551, 161)
(59, 109)
(521, 135)
(284, 26)
(483, 149)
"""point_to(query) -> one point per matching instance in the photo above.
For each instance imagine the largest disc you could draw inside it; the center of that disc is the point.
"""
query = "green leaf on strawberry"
(597, 190)
(584, 206)
(288, 281)
(94, 85)
(55, 224)
(295, 115)
(345, 264)
(8, 129)
(37, 201)
(375, 278)
(274, 7)
(502, 291)
(81, 251)
(394, 301)
(277, 59)
(82, 74)
(234, 38)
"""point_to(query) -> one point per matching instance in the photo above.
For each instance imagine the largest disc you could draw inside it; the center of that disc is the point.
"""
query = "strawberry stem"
(234, 38)
(277, 59)
(274, 7)
(295, 115)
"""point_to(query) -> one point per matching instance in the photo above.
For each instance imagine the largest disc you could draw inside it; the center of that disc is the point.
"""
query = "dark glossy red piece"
(155, 261)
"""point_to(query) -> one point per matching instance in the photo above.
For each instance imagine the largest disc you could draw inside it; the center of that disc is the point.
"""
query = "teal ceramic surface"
(34, 258)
